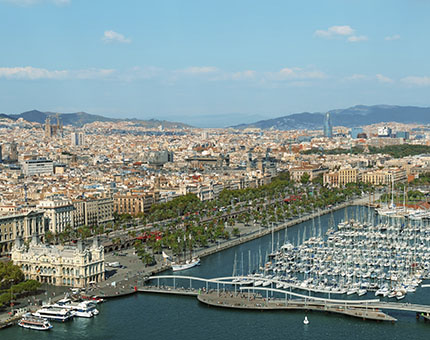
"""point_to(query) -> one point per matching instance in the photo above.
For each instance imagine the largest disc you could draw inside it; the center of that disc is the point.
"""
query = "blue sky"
(212, 63)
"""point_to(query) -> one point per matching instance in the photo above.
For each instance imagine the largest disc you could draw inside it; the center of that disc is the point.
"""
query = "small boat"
(93, 298)
(31, 321)
(361, 292)
(185, 265)
(306, 321)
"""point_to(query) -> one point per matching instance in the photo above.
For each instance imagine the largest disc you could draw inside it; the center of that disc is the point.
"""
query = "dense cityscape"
(73, 197)
(214, 170)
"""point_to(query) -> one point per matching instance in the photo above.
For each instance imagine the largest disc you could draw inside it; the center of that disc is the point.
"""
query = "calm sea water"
(147, 316)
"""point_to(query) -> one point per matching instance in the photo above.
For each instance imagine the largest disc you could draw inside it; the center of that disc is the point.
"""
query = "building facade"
(341, 177)
(312, 170)
(77, 138)
(74, 266)
(33, 167)
(22, 225)
(58, 212)
(384, 176)
(135, 203)
(93, 211)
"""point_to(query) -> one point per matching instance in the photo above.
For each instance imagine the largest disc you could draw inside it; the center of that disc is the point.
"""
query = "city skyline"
(222, 62)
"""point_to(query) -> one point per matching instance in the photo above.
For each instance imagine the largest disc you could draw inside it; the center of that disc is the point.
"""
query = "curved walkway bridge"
(237, 292)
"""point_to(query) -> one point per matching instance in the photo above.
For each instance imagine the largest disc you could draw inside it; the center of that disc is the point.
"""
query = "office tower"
(328, 129)
(77, 138)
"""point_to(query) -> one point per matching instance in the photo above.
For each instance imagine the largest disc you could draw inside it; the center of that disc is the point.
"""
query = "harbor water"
(151, 316)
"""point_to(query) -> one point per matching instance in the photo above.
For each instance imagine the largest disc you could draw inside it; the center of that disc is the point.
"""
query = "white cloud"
(296, 73)
(137, 72)
(246, 75)
(29, 72)
(243, 75)
(25, 3)
(417, 81)
(383, 79)
(355, 38)
(112, 36)
(357, 76)
(393, 37)
(335, 31)
(196, 70)
(34, 73)
(92, 73)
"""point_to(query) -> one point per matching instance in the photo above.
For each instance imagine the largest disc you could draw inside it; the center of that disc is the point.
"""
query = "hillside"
(79, 119)
(354, 116)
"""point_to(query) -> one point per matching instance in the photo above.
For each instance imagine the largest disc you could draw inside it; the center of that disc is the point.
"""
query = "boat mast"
(273, 235)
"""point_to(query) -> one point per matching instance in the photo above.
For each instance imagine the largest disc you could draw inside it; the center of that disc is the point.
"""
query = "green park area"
(13, 284)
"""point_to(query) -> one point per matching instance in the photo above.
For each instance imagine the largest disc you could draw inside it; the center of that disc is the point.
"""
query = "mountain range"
(354, 116)
(79, 119)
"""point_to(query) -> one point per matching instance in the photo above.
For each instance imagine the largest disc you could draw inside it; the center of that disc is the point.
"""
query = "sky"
(212, 63)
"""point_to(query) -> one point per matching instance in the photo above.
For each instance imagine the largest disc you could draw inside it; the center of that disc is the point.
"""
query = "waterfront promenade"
(226, 293)
(125, 280)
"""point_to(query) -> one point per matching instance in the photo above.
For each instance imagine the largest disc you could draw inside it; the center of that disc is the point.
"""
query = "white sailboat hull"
(187, 265)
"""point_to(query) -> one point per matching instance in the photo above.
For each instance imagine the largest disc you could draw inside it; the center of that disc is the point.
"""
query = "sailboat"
(186, 264)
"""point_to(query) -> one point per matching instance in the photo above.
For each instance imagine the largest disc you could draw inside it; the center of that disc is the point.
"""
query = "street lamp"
(11, 304)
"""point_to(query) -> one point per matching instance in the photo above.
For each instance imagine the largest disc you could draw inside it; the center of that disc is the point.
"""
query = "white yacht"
(54, 313)
(84, 309)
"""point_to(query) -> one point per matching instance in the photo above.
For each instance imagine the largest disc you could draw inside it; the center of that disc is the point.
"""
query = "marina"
(167, 303)
(379, 254)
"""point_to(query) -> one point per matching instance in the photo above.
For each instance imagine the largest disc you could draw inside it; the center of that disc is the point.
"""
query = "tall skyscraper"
(77, 138)
(328, 128)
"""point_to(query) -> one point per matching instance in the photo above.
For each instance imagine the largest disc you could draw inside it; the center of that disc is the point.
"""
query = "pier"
(226, 293)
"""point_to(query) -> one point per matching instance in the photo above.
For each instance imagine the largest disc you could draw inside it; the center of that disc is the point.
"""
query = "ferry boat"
(83, 309)
(31, 321)
(185, 265)
(54, 313)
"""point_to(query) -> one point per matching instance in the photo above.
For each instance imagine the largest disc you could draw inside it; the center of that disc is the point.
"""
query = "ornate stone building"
(73, 266)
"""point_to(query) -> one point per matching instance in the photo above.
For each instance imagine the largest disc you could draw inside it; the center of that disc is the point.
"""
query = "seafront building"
(75, 266)
(341, 177)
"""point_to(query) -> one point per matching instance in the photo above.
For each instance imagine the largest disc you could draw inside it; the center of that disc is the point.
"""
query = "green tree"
(236, 232)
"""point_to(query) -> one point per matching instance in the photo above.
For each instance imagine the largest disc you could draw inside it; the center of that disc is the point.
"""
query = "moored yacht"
(54, 313)
(185, 265)
(83, 309)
